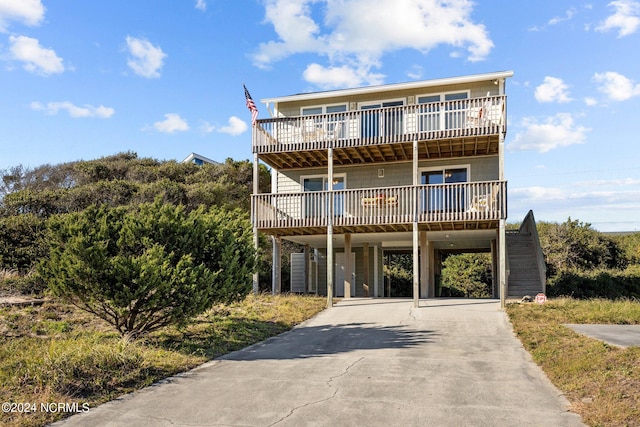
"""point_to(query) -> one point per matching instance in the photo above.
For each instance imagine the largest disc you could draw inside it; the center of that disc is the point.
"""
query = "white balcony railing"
(447, 119)
(474, 201)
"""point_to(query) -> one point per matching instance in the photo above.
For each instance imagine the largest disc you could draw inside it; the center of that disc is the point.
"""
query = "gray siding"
(395, 174)
(477, 90)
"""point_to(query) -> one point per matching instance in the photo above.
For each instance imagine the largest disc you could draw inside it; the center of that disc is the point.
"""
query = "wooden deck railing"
(471, 201)
(436, 120)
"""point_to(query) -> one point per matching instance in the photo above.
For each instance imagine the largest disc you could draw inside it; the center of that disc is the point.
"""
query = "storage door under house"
(298, 273)
(339, 274)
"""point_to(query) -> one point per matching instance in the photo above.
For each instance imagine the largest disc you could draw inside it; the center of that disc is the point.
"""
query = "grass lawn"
(602, 382)
(55, 353)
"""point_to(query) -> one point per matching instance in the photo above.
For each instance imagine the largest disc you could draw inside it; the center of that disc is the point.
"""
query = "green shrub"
(21, 242)
(599, 283)
(466, 275)
(143, 268)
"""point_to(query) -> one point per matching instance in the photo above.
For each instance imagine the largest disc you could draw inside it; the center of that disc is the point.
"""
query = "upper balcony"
(466, 127)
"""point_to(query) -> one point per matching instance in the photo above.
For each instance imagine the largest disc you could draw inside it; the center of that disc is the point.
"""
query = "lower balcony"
(473, 205)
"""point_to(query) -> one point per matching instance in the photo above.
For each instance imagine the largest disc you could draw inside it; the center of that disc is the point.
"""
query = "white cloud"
(626, 18)
(343, 76)
(172, 123)
(73, 110)
(616, 86)
(29, 12)
(146, 59)
(590, 102)
(206, 127)
(552, 90)
(36, 59)
(235, 127)
(416, 72)
(554, 132)
(614, 198)
(354, 36)
(201, 5)
(558, 19)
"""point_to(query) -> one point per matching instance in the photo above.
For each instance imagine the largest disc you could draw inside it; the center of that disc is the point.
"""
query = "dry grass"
(54, 353)
(8, 274)
(602, 382)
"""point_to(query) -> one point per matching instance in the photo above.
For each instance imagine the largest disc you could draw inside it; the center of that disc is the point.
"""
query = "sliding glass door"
(316, 205)
(379, 121)
(441, 198)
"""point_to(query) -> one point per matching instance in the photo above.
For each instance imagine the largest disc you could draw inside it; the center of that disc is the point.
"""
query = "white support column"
(254, 212)
(307, 269)
(416, 258)
(376, 277)
(416, 267)
(424, 265)
(347, 265)
(502, 251)
(276, 278)
(365, 261)
(494, 269)
(330, 231)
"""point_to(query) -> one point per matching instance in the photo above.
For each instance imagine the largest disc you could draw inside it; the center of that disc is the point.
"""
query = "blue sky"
(84, 79)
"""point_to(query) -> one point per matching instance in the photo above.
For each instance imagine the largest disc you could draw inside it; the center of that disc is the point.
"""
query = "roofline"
(199, 156)
(390, 87)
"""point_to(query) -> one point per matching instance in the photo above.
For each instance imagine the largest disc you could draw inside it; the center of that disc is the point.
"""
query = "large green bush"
(145, 267)
(598, 283)
(466, 275)
(21, 241)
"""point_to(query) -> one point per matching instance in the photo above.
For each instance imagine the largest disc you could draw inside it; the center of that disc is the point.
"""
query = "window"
(333, 124)
(431, 108)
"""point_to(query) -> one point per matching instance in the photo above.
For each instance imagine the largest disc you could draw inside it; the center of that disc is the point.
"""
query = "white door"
(339, 276)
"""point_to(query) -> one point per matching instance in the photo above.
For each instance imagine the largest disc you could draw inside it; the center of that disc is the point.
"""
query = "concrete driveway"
(364, 362)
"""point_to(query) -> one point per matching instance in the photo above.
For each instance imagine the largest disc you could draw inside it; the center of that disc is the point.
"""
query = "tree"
(119, 180)
(467, 275)
(21, 241)
(575, 245)
(145, 267)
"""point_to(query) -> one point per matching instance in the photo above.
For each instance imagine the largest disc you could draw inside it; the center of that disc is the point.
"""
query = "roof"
(204, 159)
(391, 87)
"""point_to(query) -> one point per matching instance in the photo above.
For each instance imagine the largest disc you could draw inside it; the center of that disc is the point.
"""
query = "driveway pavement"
(364, 362)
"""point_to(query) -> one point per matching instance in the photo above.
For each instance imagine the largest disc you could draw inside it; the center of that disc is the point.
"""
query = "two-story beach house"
(415, 166)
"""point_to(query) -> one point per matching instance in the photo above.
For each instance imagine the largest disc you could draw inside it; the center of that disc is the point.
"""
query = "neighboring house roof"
(391, 87)
(198, 159)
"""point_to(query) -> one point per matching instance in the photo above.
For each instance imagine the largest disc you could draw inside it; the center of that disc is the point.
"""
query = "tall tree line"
(29, 196)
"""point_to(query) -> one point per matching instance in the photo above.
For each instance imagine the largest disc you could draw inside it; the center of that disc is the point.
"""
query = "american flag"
(251, 106)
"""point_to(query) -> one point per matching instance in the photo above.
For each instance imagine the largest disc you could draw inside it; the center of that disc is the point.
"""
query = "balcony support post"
(416, 247)
(347, 265)
(376, 276)
(330, 230)
(365, 261)
(502, 268)
(307, 269)
(254, 220)
(424, 265)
